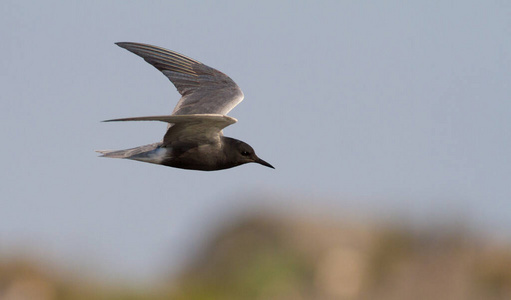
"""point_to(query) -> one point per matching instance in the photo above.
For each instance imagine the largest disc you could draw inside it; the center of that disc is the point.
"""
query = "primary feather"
(204, 90)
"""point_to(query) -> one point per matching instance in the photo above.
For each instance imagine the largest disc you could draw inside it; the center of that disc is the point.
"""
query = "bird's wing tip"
(233, 120)
(102, 152)
(123, 44)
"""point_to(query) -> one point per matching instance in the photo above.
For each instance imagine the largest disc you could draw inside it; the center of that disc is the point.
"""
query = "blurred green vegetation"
(262, 257)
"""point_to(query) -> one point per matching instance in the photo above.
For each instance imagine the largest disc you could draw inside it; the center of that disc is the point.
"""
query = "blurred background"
(388, 124)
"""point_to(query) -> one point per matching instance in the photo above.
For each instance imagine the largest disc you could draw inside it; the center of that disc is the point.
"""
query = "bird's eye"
(245, 153)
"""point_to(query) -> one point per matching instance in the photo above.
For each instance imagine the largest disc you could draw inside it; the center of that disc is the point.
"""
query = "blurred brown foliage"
(262, 257)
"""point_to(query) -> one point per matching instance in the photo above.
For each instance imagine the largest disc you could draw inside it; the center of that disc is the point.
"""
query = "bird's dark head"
(241, 153)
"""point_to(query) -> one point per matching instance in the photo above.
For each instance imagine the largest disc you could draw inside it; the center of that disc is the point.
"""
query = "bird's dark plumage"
(194, 138)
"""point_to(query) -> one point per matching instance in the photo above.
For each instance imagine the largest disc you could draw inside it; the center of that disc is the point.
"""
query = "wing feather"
(201, 128)
(204, 90)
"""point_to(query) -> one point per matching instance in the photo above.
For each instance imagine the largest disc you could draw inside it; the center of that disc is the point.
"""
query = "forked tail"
(128, 153)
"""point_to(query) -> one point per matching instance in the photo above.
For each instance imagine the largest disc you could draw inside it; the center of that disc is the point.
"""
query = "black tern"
(194, 138)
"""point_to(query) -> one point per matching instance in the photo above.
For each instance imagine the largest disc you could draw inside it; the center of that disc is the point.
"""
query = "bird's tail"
(114, 153)
(128, 153)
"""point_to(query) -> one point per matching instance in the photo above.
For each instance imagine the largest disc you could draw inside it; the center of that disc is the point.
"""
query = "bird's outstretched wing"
(204, 90)
(201, 128)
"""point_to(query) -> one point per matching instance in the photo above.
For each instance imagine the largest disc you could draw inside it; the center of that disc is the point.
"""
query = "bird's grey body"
(194, 138)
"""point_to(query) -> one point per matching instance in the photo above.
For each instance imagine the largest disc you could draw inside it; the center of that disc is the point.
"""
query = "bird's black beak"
(262, 162)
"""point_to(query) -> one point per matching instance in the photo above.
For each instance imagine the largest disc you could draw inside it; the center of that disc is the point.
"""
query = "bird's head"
(241, 153)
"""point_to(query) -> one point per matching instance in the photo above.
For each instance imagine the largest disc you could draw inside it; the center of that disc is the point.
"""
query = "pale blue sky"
(373, 110)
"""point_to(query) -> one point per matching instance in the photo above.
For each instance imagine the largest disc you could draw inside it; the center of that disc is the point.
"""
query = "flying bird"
(194, 138)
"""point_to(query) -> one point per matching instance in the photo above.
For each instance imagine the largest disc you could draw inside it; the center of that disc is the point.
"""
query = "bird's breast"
(202, 157)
